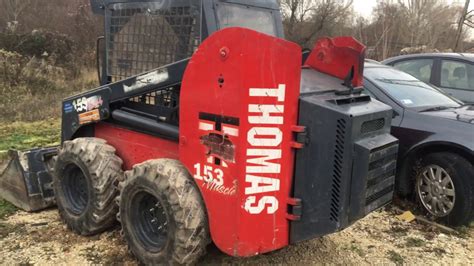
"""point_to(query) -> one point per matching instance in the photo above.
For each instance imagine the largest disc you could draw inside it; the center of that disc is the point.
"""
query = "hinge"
(300, 137)
(295, 209)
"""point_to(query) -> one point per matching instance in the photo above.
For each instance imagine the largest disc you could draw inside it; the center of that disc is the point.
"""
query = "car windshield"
(407, 90)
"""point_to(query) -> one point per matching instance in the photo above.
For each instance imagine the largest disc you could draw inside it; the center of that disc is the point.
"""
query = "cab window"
(419, 68)
(233, 15)
(457, 75)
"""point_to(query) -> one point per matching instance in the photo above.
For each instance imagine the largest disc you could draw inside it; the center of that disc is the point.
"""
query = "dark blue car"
(451, 72)
(436, 133)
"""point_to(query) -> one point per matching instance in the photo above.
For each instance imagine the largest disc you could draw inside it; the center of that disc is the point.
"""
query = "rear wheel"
(162, 214)
(86, 174)
(444, 187)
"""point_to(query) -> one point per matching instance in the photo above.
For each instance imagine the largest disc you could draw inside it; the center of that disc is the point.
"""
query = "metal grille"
(337, 170)
(162, 103)
(381, 176)
(147, 35)
(373, 125)
(167, 98)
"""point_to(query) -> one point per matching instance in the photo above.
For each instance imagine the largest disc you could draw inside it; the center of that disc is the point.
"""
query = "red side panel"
(134, 147)
(239, 99)
(337, 56)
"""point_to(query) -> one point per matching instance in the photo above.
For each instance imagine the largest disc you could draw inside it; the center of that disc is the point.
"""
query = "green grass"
(6, 209)
(395, 257)
(415, 242)
(22, 135)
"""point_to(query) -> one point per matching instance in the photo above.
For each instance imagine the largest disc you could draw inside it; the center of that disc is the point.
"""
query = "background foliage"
(47, 47)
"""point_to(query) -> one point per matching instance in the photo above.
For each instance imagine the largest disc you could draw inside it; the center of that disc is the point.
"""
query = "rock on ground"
(41, 238)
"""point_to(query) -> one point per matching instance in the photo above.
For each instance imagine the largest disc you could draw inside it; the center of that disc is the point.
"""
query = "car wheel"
(444, 187)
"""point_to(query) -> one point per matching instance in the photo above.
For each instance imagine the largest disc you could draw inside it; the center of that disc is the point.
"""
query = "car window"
(419, 68)
(407, 90)
(457, 75)
(366, 91)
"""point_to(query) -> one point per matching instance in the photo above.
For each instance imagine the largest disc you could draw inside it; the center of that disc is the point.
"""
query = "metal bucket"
(26, 180)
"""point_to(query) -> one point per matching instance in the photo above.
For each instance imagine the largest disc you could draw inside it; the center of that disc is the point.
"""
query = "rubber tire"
(188, 233)
(102, 169)
(462, 174)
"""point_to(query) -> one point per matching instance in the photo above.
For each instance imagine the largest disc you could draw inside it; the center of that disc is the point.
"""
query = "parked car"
(453, 73)
(436, 133)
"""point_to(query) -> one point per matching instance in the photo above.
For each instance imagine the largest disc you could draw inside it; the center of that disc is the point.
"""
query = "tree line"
(394, 27)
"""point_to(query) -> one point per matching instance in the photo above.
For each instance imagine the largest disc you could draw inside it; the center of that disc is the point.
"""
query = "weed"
(398, 231)
(415, 242)
(357, 250)
(6, 229)
(395, 257)
(6, 209)
(438, 251)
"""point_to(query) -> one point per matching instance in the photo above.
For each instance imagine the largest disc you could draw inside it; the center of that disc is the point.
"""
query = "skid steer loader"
(207, 127)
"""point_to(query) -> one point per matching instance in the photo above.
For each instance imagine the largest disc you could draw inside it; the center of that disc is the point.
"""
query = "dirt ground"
(41, 238)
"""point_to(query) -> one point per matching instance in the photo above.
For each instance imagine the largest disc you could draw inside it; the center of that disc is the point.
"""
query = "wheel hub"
(75, 189)
(151, 221)
(435, 189)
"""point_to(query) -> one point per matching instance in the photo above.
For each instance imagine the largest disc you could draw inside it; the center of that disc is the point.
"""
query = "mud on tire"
(85, 184)
(162, 214)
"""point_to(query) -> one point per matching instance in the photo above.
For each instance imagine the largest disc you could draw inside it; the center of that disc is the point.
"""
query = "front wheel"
(445, 188)
(162, 214)
(86, 174)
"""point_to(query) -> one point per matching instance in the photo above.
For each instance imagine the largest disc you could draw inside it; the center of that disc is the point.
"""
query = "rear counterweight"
(347, 167)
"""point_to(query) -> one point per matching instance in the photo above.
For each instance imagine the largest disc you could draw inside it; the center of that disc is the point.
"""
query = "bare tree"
(306, 20)
(463, 20)
(12, 11)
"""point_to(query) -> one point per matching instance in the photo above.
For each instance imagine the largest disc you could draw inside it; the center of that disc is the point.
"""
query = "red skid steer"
(209, 126)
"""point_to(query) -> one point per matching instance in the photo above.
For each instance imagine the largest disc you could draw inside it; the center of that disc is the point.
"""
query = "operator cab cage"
(142, 35)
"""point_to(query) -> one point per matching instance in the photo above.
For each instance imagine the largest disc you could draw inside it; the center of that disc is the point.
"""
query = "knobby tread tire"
(103, 170)
(169, 180)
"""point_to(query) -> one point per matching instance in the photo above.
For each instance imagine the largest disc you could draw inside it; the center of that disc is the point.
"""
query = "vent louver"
(337, 170)
(373, 125)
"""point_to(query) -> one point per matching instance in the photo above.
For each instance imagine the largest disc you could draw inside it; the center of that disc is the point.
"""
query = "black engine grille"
(373, 125)
(337, 169)
(381, 176)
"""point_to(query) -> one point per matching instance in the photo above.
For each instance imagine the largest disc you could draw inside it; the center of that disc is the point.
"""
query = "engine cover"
(347, 167)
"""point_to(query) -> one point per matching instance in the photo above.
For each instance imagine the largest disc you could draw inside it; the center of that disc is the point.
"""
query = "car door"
(420, 68)
(457, 79)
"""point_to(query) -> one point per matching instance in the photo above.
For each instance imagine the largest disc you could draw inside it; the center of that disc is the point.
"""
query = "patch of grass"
(398, 231)
(415, 242)
(21, 135)
(6, 209)
(6, 229)
(438, 251)
(395, 257)
(355, 248)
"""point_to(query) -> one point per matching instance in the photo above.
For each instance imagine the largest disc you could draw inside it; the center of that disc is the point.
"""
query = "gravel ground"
(380, 238)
